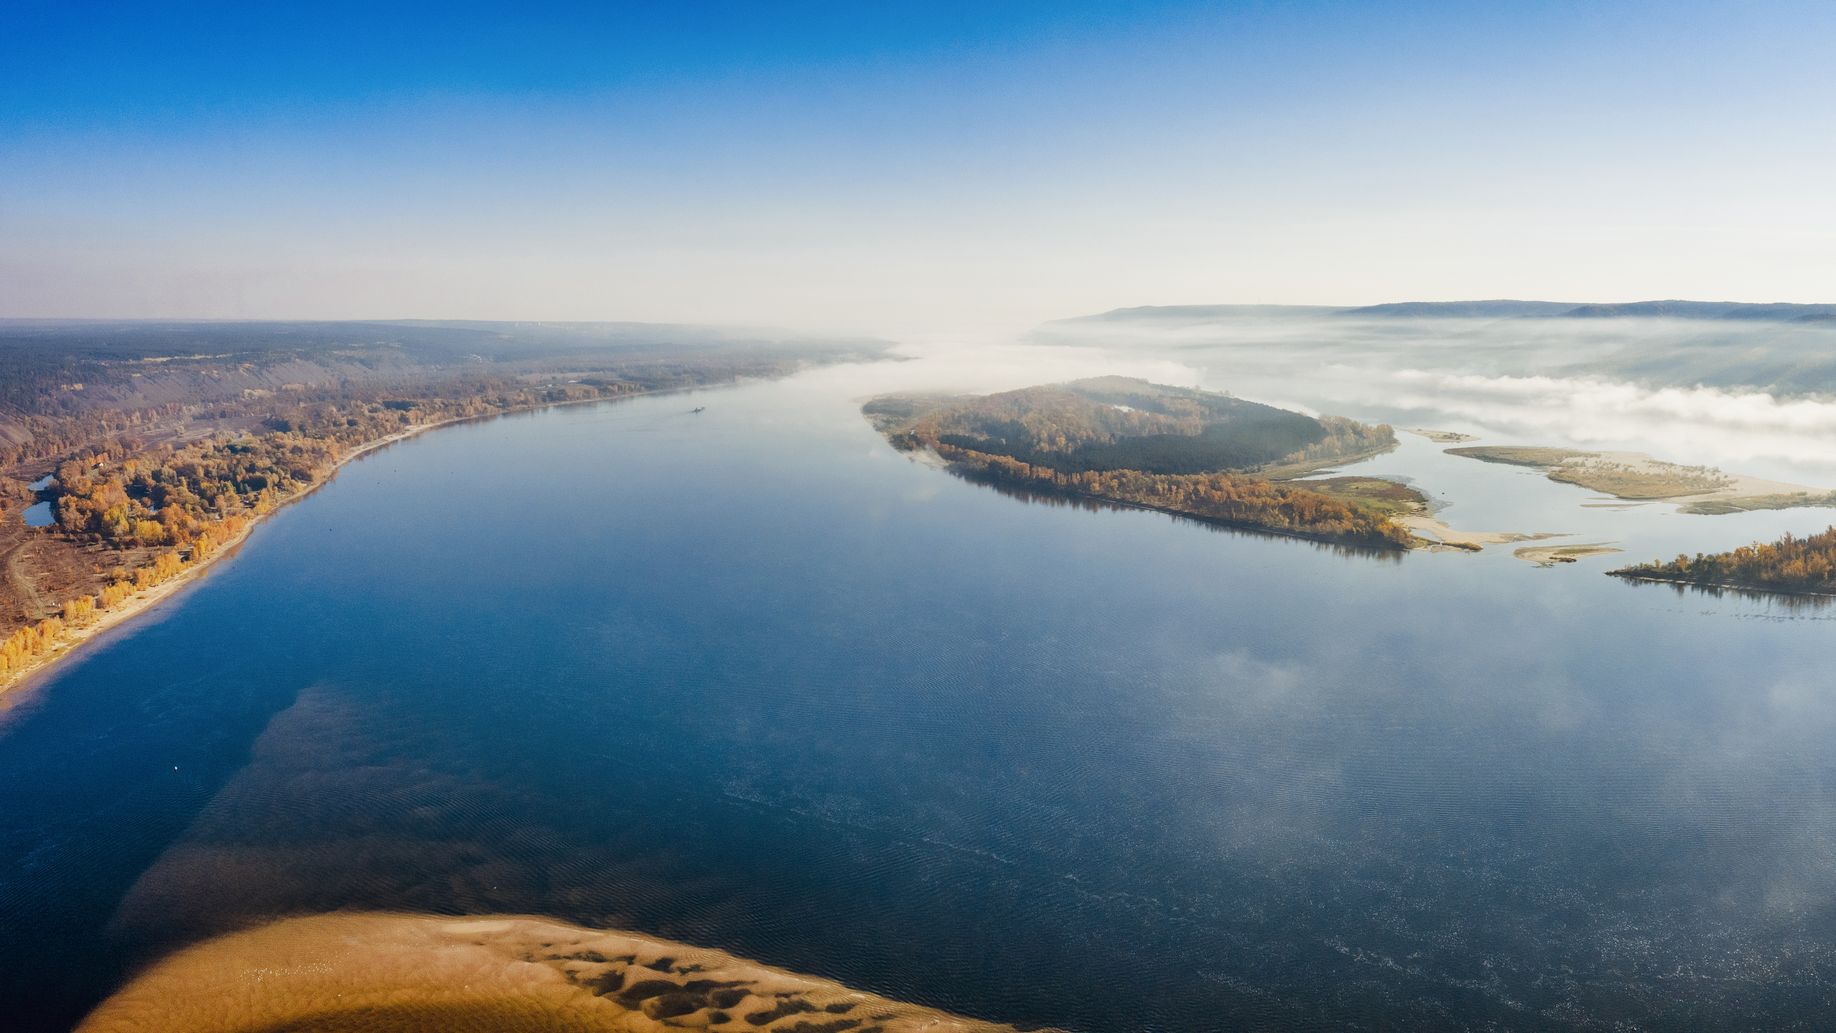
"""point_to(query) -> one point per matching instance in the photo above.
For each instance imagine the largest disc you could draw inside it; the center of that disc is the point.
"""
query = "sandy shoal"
(391, 973)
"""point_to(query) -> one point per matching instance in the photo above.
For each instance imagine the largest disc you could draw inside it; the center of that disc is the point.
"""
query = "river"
(750, 679)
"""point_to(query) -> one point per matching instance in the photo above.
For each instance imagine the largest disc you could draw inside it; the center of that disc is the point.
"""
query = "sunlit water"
(750, 679)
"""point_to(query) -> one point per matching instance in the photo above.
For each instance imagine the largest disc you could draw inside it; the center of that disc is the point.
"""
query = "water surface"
(748, 678)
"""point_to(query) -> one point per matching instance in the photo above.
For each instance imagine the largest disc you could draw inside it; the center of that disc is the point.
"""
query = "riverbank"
(74, 636)
(388, 972)
(1754, 590)
(1048, 490)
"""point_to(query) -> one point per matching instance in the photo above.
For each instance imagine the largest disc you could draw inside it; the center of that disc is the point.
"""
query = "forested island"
(1196, 453)
(1791, 565)
(153, 447)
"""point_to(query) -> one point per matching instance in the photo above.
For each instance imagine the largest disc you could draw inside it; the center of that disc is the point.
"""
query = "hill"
(1776, 312)
(1110, 423)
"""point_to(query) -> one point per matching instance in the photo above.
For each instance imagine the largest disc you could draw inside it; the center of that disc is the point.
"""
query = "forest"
(1182, 451)
(1791, 565)
(126, 493)
(1116, 423)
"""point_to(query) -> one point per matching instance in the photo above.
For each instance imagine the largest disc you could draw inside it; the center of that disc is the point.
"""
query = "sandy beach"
(1436, 533)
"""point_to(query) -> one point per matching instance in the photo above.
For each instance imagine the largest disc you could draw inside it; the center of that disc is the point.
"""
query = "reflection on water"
(1089, 504)
(1801, 603)
(755, 681)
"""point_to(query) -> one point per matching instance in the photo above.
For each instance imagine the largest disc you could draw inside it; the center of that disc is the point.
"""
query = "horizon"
(613, 321)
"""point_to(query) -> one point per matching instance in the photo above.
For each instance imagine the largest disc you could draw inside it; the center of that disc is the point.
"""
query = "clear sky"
(905, 167)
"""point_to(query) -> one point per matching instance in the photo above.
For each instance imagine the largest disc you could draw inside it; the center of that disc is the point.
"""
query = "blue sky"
(904, 167)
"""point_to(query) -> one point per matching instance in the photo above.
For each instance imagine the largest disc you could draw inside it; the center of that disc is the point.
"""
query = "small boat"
(698, 408)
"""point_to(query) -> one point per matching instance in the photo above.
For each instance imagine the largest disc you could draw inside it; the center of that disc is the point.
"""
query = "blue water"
(750, 679)
(38, 514)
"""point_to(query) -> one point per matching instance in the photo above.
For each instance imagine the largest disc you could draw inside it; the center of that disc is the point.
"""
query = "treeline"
(1790, 564)
(35, 641)
(1052, 419)
(1224, 497)
(1344, 437)
(125, 494)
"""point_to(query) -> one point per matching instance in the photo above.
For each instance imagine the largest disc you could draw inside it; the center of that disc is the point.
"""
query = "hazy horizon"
(972, 170)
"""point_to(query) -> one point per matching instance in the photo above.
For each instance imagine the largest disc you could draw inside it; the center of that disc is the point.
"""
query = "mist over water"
(1759, 397)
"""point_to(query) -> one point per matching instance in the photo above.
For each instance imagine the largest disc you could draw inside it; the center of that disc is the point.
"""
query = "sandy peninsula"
(1441, 437)
(389, 973)
(1637, 477)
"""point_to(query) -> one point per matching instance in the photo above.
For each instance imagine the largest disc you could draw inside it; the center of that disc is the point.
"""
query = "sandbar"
(391, 973)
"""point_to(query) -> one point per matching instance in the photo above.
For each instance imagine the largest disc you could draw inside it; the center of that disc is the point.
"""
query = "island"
(1198, 454)
(1789, 566)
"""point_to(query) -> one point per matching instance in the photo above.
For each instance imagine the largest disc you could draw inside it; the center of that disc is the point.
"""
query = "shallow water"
(747, 678)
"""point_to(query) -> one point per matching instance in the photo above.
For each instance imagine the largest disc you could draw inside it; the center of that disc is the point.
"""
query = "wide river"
(748, 678)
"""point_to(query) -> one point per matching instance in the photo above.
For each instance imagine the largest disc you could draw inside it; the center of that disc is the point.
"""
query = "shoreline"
(141, 603)
(1045, 488)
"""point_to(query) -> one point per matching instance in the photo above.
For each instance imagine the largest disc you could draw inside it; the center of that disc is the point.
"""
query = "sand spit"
(1439, 535)
(1637, 477)
(385, 973)
(1443, 437)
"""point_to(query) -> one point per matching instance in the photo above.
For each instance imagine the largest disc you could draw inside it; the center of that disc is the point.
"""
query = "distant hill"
(1202, 313)
(1772, 313)
(1777, 312)
(1500, 309)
